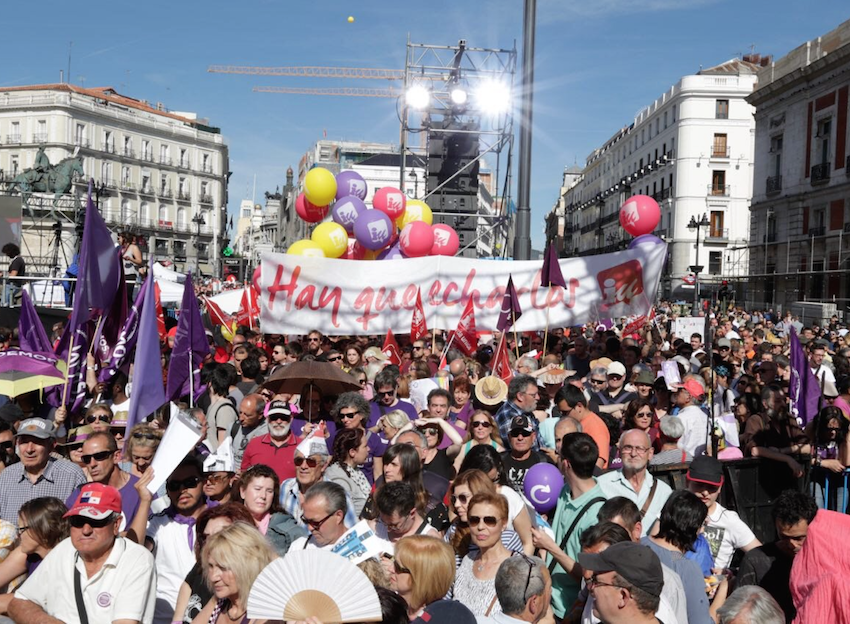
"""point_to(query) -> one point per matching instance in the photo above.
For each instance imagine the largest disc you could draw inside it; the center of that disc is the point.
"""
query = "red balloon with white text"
(640, 215)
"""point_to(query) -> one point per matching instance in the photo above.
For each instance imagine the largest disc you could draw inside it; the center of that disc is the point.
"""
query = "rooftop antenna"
(70, 47)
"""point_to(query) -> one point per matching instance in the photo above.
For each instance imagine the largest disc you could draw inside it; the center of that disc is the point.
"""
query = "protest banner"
(369, 297)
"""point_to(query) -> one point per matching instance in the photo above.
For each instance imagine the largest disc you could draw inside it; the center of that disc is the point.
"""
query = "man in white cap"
(38, 474)
(220, 474)
(614, 398)
(108, 578)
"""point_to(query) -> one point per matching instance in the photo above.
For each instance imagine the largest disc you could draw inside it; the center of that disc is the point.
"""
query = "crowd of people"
(646, 430)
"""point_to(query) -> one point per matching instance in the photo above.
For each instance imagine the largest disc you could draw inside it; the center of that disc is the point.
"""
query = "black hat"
(635, 562)
(446, 611)
(523, 422)
(11, 413)
(705, 469)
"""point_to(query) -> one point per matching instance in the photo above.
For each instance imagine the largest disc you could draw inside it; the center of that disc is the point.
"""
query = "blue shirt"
(692, 580)
(615, 484)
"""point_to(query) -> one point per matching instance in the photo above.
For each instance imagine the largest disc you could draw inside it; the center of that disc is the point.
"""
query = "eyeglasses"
(78, 522)
(431, 431)
(482, 423)
(530, 570)
(615, 377)
(335, 358)
(145, 436)
(489, 521)
(22, 530)
(311, 462)
(99, 456)
(313, 339)
(92, 418)
(463, 498)
(316, 524)
(598, 382)
(383, 394)
(637, 450)
(185, 484)
(595, 582)
(724, 348)
(534, 395)
(519, 433)
(397, 526)
(6, 445)
(398, 569)
(643, 415)
(348, 415)
(215, 478)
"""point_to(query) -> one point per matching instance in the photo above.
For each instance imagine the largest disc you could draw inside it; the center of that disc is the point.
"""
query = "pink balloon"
(355, 251)
(416, 239)
(390, 201)
(446, 240)
(311, 213)
(640, 215)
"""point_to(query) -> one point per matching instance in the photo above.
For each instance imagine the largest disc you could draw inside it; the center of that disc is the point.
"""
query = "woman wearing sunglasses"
(640, 414)
(351, 411)
(259, 488)
(475, 581)
(98, 417)
(482, 429)
(422, 572)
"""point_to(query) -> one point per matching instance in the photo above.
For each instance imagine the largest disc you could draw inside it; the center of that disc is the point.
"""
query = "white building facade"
(692, 151)
(161, 175)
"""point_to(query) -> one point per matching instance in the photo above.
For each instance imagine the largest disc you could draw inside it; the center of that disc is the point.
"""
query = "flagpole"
(96, 333)
(67, 371)
(516, 338)
(546, 332)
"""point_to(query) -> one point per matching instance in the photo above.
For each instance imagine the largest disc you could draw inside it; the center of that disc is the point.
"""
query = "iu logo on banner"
(418, 328)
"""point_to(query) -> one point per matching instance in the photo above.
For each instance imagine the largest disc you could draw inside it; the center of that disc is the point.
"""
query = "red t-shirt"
(280, 458)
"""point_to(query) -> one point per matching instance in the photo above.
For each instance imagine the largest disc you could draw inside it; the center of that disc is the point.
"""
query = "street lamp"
(415, 177)
(198, 220)
(697, 267)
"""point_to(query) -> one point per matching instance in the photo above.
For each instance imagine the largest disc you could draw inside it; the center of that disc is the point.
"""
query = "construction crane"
(340, 91)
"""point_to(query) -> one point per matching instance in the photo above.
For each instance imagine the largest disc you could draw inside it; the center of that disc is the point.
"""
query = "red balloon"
(390, 201)
(446, 240)
(416, 239)
(311, 213)
(355, 250)
(640, 215)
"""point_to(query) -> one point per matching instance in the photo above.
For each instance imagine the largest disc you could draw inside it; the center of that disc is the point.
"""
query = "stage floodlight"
(493, 97)
(458, 96)
(418, 97)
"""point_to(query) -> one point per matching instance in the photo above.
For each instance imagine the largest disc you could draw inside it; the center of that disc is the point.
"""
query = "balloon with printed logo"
(646, 239)
(355, 250)
(320, 186)
(373, 229)
(542, 486)
(331, 238)
(416, 210)
(305, 247)
(390, 201)
(640, 215)
(346, 211)
(393, 252)
(350, 182)
(446, 240)
(416, 239)
(308, 211)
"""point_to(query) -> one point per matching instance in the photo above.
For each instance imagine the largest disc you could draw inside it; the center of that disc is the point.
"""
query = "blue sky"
(598, 63)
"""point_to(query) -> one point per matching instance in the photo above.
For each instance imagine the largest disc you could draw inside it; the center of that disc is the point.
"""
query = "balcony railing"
(847, 228)
(718, 190)
(206, 168)
(127, 185)
(129, 152)
(719, 150)
(717, 234)
(771, 237)
(165, 225)
(13, 138)
(164, 161)
(39, 137)
(817, 231)
(166, 192)
(206, 199)
(146, 190)
(820, 173)
(147, 156)
(184, 196)
(109, 183)
(184, 164)
(161, 249)
(82, 142)
(109, 148)
(774, 184)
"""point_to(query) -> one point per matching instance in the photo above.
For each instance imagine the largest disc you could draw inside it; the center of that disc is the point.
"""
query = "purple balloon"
(346, 211)
(373, 229)
(645, 239)
(350, 182)
(393, 252)
(542, 485)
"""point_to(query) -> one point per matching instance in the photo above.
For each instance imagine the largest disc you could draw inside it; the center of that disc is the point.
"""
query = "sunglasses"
(185, 484)
(102, 455)
(311, 463)
(78, 522)
(335, 358)
(489, 521)
(92, 418)
(598, 382)
(463, 498)
(6, 445)
(22, 530)
(398, 569)
(615, 377)
(519, 433)
(482, 423)
(144, 436)
(415, 348)
(383, 394)
(432, 431)
(643, 415)
(278, 416)
(215, 478)
(348, 415)
(316, 524)
(313, 339)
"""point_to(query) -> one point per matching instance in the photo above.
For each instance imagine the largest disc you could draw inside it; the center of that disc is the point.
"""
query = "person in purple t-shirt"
(100, 456)
(386, 399)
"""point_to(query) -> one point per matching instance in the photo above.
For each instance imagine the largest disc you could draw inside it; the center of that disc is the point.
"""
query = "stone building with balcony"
(692, 151)
(160, 174)
(799, 222)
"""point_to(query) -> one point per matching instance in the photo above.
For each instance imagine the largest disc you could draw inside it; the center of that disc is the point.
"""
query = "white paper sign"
(181, 436)
(684, 326)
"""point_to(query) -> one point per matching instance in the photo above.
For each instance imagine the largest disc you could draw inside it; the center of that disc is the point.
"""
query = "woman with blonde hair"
(230, 574)
(392, 423)
(423, 571)
(482, 429)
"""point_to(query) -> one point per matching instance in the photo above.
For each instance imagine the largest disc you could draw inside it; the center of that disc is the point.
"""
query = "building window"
(108, 142)
(719, 148)
(80, 135)
(146, 182)
(718, 183)
(181, 218)
(14, 164)
(144, 213)
(205, 163)
(126, 216)
(776, 155)
(823, 136)
(721, 109)
(15, 132)
(163, 214)
(180, 250)
(128, 146)
(106, 173)
(163, 155)
(817, 280)
(146, 150)
(716, 227)
(665, 120)
(184, 157)
(125, 175)
(164, 184)
(715, 262)
(41, 131)
(673, 113)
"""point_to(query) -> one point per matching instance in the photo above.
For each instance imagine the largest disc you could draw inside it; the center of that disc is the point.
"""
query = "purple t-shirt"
(376, 410)
(377, 446)
(463, 415)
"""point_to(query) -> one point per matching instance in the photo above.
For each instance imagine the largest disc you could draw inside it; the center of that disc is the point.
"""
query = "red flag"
(501, 364)
(418, 328)
(465, 336)
(390, 349)
(160, 316)
(249, 308)
(217, 315)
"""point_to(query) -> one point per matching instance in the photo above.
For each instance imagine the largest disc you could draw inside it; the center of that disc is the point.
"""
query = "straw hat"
(491, 390)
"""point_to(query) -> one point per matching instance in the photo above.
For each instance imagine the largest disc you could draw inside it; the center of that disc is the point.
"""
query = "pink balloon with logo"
(640, 215)
(390, 201)
(350, 182)
(308, 211)
(416, 239)
(446, 240)
(346, 211)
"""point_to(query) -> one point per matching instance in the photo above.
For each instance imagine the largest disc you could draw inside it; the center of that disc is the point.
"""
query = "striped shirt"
(59, 479)
(290, 500)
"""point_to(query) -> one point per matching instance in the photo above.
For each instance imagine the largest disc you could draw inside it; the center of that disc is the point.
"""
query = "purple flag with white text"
(550, 274)
(147, 393)
(190, 347)
(510, 307)
(803, 387)
(122, 347)
(31, 333)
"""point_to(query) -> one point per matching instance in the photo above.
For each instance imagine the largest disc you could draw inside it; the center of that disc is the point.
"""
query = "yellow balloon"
(350, 19)
(320, 186)
(305, 247)
(417, 210)
(331, 238)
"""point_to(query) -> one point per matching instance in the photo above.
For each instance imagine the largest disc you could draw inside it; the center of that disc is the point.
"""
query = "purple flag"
(100, 264)
(147, 394)
(550, 274)
(803, 387)
(31, 333)
(510, 307)
(118, 356)
(190, 347)
(113, 323)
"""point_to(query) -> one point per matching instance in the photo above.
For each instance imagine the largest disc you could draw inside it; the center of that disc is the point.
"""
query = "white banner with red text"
(351, 297)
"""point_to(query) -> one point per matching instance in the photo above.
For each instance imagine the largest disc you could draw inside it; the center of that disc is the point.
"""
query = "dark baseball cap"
(635, 562)
(705, 469)
(446, 611)
(522, 422)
